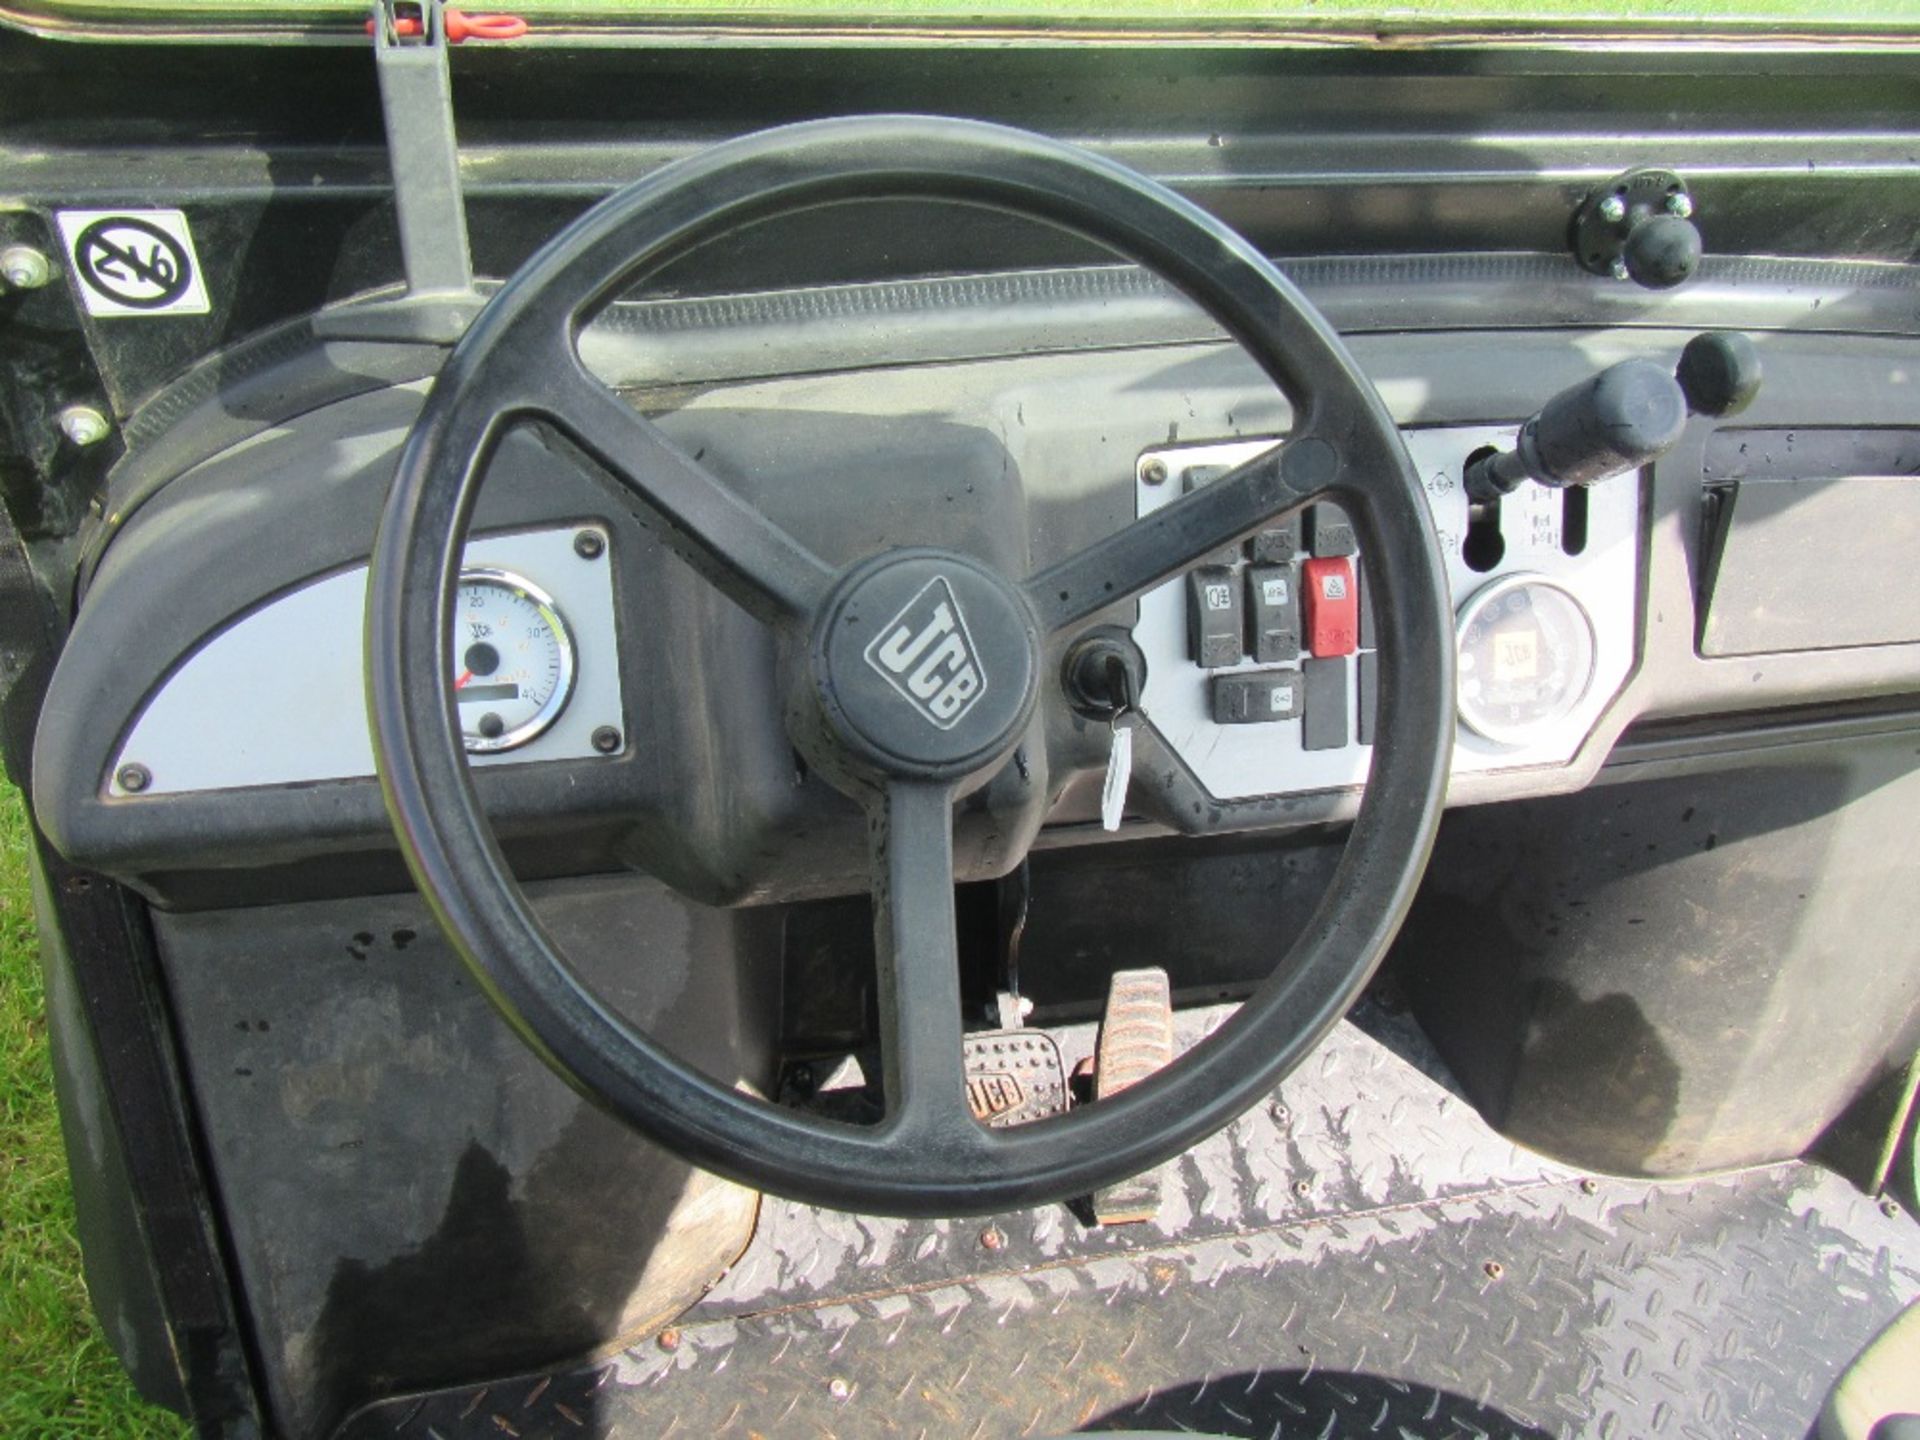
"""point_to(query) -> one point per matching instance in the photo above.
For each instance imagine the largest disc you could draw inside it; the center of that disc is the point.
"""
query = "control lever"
(1622, 418)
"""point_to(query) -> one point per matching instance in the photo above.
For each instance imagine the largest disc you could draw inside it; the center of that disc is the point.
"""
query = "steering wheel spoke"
(737, 548)
(918, 964)
(1156, 547)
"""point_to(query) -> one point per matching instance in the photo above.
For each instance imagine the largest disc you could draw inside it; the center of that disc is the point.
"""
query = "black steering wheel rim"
(520, 360)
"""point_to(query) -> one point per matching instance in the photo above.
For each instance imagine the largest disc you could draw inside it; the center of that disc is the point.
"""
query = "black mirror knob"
(1661, 251)
(1639, 227)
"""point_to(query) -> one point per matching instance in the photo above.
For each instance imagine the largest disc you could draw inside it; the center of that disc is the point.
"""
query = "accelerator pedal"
(1136, 1039)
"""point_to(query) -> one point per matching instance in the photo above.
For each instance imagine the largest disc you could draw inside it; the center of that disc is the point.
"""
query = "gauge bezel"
(544, 718)
(1531, 732)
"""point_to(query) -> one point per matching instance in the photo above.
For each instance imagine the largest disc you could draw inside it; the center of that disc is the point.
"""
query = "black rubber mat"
(1456, 1291)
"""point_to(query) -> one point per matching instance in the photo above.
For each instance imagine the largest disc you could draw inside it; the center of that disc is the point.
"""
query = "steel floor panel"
(1359, 1256)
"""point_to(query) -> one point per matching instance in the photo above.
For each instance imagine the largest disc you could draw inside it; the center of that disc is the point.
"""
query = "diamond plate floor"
(1360, 1256)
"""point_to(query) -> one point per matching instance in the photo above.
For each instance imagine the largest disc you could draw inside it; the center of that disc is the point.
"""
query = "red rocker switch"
(1332, 606)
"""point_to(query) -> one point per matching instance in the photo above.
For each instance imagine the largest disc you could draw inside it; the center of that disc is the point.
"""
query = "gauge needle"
(465, 676)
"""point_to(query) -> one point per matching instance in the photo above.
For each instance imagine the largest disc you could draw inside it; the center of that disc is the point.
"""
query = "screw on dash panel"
(24, 268)
(134, 778)
(1154, 472)
(606, 739)
(589, 544)
(83, 425)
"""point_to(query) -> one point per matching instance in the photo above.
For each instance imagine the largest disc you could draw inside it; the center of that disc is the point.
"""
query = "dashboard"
(1283, 702)
(634, 716)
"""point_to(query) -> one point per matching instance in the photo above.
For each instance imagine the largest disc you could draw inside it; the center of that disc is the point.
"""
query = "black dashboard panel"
(1018, 459)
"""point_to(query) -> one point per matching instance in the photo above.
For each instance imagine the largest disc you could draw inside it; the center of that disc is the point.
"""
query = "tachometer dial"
(1526, 658)
(512, 660)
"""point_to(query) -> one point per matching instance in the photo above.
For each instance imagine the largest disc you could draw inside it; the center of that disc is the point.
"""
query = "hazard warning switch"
(1331, 602)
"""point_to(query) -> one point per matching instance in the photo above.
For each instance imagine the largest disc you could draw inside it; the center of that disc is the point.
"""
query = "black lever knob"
(1720, 373)
(1618, 420)
(1622, 418)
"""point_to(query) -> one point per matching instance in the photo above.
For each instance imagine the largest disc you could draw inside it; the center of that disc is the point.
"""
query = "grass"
(1334, 15)
(58, 1379)
(1202, 11)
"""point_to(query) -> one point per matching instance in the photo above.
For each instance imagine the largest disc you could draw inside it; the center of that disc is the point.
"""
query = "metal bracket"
(416, 99)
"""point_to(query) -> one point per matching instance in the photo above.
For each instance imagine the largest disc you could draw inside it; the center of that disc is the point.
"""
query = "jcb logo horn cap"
(927, 654)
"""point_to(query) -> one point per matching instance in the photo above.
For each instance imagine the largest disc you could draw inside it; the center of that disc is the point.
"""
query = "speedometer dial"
(512, 660)
(1526, 658)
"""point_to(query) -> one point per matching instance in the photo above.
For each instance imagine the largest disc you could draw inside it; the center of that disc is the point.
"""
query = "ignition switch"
(1105, 673)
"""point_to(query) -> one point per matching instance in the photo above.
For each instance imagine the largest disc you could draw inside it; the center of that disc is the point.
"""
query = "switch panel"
(1211, 677)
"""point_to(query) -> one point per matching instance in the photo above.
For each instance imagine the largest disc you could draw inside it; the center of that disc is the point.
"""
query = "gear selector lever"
(1622, 418)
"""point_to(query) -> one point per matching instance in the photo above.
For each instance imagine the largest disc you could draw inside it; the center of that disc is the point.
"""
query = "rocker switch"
(1258, 697)
(1324, 717)
(1331, 602)
(1273, 606)
(1213, 617)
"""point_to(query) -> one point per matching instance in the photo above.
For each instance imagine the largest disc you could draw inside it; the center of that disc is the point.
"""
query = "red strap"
(462, 26)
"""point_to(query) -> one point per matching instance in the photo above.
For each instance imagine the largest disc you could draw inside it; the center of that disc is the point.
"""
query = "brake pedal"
(1014, 1076)
(1136, 1039)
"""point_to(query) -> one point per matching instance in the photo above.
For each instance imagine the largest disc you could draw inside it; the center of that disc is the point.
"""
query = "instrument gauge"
(513, 660)
(1526, 658)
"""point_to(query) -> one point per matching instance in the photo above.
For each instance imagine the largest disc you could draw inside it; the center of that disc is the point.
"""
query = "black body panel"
(413, 1198)
(1683, 972)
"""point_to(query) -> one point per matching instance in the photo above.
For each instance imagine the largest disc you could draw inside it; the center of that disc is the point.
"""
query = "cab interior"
(966, 723)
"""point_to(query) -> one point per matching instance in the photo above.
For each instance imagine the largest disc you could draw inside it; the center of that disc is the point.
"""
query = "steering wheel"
(912, 674)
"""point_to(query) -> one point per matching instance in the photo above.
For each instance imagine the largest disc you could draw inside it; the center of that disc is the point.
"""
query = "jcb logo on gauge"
(927, 655)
